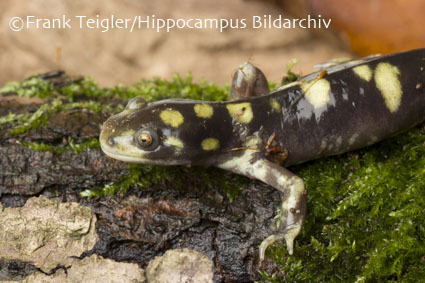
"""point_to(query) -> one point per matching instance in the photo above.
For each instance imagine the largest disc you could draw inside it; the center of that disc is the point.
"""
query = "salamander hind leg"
(292, 212)
(248, 81)
(293, 208)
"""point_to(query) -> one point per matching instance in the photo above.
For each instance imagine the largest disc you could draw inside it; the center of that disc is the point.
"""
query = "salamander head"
(165, 133)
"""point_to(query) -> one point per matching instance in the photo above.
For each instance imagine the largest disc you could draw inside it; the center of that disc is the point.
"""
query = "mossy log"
(365, 218)
(48, 146)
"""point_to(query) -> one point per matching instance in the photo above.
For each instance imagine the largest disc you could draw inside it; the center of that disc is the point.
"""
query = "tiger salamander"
(258, 133)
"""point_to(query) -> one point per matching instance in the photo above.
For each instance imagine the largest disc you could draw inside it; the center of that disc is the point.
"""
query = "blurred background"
(358, 28)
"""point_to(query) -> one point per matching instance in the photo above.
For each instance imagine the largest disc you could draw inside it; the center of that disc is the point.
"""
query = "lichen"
(30, 233)
(184, 264)
(93, 268)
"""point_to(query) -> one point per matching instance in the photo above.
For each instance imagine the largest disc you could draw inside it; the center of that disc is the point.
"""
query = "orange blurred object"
(376, 26)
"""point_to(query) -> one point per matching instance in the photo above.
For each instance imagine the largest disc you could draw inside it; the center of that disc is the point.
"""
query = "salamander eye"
(147, 138)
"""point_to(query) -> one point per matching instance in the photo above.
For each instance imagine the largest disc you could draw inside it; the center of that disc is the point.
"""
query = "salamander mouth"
(108, 146)
(119, 156)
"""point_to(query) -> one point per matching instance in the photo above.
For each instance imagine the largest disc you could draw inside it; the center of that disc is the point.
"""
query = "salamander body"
(259, 133)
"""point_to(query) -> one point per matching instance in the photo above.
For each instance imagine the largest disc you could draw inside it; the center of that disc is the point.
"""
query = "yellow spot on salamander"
(388, 83)
(203, 110)
(172, 118)
(242, 112)
(176, 142)
(275, 105)
(364, 72)
(210, 144)
(317, 92)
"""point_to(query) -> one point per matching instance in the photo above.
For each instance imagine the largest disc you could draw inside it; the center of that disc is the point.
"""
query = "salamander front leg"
(248, 81)
(293, 209)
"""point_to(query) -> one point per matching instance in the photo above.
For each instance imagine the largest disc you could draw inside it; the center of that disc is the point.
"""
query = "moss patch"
(365, 220)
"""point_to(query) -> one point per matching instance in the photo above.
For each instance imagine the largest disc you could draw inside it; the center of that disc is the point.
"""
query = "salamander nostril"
(111, 142)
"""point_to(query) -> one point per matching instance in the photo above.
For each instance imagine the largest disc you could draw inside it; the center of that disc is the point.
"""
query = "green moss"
(151, 90)
(365, 218)
(24, 123)
(178, 87)
(12, 118)
(290, 76)
(30, 87)
(38, 118)
(86, 94)
(59, 149)
(43, 147)
(115, 187)
(177, 177)
(88, 144)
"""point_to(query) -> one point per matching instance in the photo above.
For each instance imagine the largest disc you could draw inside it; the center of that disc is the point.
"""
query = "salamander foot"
(289, 234)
